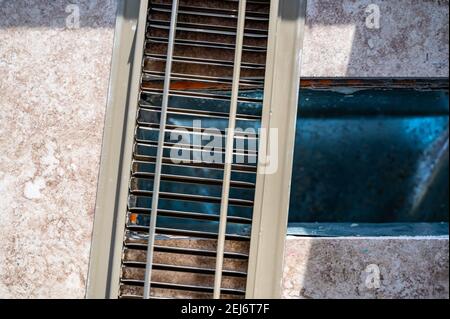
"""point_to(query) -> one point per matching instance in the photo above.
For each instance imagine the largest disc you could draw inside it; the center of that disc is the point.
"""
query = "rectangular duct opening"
(371, 158)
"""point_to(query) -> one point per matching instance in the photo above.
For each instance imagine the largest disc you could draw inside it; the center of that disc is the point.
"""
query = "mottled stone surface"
(349, 267)
(412, 39)
(53, 92)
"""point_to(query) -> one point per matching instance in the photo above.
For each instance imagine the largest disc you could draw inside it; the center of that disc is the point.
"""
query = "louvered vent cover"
(180, 259)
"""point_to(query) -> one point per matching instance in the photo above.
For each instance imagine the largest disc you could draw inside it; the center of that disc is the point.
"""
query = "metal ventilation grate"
(188, 224)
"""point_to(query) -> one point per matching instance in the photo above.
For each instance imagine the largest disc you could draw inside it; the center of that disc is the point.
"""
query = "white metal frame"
(112, 192)
(281, 93)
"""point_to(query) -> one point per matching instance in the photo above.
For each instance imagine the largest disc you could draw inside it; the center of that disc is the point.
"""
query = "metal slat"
(193, 130)
(212, 12)
(203, 69)
(187, 251)
(141, 235)
(191, 215)
(194, 180)
(132, 297)
(161, 285)
(155, 198)
(203, 28)
(168, 162)
(249, 173)
(194, 148)
(230, 4)
(201, 113)
(184, 129)
(207, 44)
(192, 198)
(205, 22)
(248, 83)
(215, 96)
(199, 252)
(194, 50)
(209, 82)
(265, 2)
(186, 59)
(187, 269)
(198, 234)
(229, 151)
(201, 95)
(170, 195)
(254, 80)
